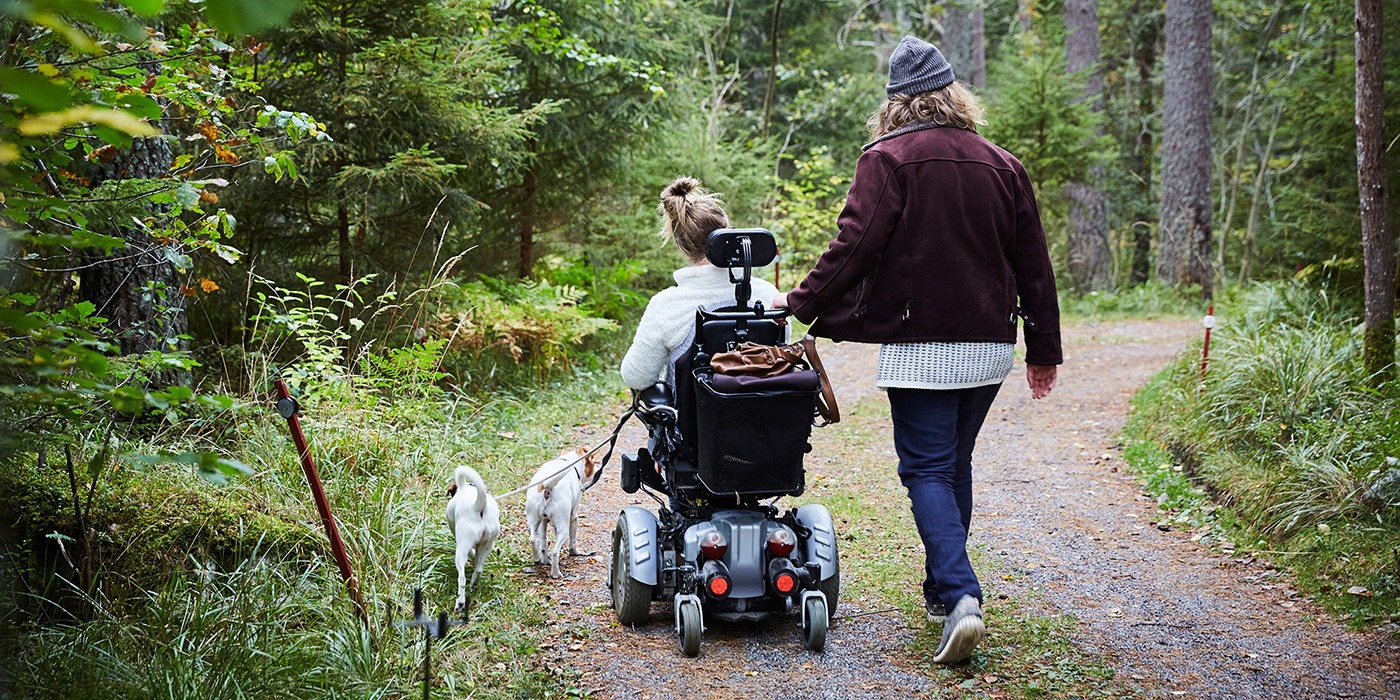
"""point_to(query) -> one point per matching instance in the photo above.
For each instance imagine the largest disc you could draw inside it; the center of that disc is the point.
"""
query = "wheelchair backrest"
(721, 331)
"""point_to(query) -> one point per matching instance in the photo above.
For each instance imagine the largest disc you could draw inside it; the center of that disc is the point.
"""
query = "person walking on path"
(939, 252)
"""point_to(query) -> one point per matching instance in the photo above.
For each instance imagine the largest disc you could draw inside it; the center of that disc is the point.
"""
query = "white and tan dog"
(556, 501)
(475, 521)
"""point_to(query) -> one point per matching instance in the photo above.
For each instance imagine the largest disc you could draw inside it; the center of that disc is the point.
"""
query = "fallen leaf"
(1361, 591)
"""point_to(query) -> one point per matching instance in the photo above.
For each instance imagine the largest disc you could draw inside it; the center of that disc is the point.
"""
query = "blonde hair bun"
(688, 214)
(680, 187)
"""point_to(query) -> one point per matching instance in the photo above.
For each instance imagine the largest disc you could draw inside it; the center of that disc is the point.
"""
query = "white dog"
(475, 521)
(556, 501)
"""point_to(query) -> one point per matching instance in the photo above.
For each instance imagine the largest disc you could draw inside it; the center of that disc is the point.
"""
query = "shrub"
(1285, 431)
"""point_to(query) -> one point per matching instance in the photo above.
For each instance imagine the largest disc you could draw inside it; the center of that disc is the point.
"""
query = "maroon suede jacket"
(940, 240)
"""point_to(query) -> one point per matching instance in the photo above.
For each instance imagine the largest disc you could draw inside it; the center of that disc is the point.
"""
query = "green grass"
(1283, 451)
(1145, 301)
(1027, 652)
(229, 591)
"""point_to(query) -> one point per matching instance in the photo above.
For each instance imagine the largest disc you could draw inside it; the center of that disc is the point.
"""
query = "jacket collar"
(706, 275)
(907, 128)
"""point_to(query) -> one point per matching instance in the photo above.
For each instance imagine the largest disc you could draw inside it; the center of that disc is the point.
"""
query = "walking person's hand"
(1041, 378)
(779, 302)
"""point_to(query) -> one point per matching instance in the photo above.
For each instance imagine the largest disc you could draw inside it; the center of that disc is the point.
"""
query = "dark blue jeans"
(934, 433)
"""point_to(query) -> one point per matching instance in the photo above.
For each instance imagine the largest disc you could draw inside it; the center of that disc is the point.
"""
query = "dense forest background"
(407, 208)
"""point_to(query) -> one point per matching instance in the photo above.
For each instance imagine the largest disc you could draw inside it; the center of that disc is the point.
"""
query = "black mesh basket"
(752, 443)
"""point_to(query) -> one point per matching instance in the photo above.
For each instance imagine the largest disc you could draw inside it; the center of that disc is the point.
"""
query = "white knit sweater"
(669, 320)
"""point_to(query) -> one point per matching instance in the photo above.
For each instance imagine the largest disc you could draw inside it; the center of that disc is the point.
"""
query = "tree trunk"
(955, 38)
(527, 214)
(1088, 219)
(1376, 239)
(770, 89)
(137, 289)
(978, 75)
(1145, 56)
(1183, 253)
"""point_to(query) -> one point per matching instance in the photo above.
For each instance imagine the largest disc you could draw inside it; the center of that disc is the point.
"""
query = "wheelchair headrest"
(724, 247)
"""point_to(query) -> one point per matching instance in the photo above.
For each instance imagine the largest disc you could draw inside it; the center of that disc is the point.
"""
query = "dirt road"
(1064, 536)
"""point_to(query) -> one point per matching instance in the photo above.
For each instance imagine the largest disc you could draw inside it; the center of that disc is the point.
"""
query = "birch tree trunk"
(1183, 252)
(1088, 219)
(1377, 242)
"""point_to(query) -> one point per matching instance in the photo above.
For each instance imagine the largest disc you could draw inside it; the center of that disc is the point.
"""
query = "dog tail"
(559, 463)
(467, 475)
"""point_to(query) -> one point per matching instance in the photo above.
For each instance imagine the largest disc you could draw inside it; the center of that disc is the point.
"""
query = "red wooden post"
(288, 408)
(1209, 323)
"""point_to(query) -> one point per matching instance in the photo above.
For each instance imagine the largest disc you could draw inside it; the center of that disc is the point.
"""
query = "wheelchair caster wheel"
(814, 622)
(691, 627)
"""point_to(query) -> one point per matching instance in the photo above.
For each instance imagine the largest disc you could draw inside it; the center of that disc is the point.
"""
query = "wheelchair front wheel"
(630, 597)
(691, 628)
(814, 623)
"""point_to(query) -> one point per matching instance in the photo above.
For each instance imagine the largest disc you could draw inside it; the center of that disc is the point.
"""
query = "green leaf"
(128, 399)
(16, 322)
(187, 195)
(222, 403)
(53, 122)
(145, 8)
(35, 91)
(210, 465)
(248, 16)
(140, 105)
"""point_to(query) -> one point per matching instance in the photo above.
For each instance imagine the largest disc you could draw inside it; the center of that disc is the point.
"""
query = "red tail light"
(785, 582)
(713, 545)
(719, 586)
(716, 579)
(780, 542)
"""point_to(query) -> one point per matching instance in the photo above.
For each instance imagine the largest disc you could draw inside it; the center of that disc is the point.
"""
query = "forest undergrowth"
(1282, 450)
(194, 588)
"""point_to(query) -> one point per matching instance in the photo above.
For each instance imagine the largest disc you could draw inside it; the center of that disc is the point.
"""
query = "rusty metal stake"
(288, 408)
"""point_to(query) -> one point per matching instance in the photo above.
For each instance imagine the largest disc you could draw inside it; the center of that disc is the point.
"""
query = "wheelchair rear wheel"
(831, 587)
(630, 598)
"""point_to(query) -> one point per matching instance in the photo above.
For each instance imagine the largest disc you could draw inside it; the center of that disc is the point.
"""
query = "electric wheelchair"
(722, 450)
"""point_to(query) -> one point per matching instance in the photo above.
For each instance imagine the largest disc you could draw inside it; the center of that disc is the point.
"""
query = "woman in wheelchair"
(688, 215)
(718, 457)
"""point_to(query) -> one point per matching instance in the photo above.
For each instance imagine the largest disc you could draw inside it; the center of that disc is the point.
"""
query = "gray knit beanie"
(917, 66)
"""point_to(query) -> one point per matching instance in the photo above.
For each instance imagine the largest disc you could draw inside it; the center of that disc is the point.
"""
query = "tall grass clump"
(1286, 431)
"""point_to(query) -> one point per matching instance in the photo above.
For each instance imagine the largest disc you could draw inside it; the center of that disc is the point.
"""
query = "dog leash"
(610, 441)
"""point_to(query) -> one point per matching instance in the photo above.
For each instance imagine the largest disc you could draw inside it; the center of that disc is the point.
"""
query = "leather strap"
(830, 412)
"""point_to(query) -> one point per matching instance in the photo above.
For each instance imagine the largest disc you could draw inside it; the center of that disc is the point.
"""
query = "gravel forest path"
(1061, 534)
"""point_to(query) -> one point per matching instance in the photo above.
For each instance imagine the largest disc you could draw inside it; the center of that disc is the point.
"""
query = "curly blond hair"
(953, 105)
